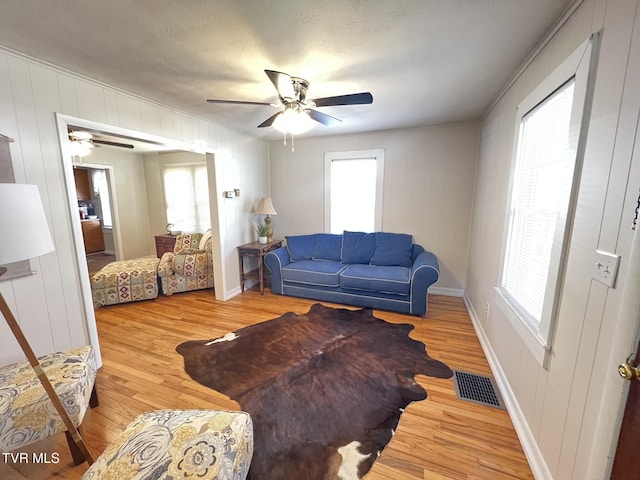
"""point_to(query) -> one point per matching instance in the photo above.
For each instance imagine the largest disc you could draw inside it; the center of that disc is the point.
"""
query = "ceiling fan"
(90, 139)
(297, 112)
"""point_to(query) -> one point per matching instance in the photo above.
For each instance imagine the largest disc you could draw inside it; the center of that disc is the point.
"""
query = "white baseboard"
(449, 292)
(529, 445)
(229, 294)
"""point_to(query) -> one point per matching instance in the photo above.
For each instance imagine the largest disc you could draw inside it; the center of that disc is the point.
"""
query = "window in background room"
(101, 189)
(186, 193)
(353, 191)
(551, 132)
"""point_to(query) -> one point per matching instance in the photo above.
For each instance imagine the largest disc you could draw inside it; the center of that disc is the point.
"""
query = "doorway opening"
(136, 193)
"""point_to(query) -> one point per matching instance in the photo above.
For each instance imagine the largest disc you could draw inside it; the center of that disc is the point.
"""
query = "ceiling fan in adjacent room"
(298, 113)
(82, 142)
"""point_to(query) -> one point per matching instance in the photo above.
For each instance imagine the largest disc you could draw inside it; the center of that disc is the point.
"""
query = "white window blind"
(187, 197)
(101, 188)
(551, 131)
(540, 195)
(353, 190)
(353, 203)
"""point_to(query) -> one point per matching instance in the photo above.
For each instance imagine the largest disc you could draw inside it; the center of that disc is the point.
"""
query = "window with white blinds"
(353, 204)
(186, 191)
(101, 188)
(539, 198)
(547, 163)
(353, 190)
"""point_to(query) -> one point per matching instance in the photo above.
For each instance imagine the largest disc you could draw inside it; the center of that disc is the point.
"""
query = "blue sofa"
(380, 270)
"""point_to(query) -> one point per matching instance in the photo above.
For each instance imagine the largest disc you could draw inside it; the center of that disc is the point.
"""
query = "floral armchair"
(190, 266)
(27, 414)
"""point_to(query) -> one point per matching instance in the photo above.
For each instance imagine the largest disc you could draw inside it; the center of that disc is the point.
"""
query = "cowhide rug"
(325, 389)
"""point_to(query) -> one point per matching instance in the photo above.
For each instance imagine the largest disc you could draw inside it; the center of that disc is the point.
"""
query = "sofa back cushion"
(187, 240)
(392, 249)
(328, 246)
(357, 247)
(301, 247)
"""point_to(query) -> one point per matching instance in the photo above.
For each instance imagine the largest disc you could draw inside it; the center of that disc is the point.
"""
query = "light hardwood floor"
(439, 438)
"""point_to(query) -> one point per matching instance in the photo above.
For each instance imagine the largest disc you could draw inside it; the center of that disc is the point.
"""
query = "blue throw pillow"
(392, 249)
(328, 246)
(357, 247)
(301, 247)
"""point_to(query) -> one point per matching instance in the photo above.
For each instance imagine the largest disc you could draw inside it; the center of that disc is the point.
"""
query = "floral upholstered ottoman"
(126, 281)
(179, 444)
(27, 415)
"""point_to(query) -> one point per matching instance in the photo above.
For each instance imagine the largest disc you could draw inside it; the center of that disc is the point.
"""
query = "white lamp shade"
(24, 232)
(265, 207)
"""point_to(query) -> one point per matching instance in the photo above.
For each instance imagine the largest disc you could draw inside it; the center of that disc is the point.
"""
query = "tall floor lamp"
(24, 234)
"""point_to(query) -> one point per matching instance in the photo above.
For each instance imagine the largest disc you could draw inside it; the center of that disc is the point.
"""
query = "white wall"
(429, 176)
(128, 181)
(565, 415)
(51, 306)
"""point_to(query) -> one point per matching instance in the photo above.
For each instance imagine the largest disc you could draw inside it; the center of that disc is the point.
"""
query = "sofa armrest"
(165, 267)
(425, 271)
(275, 260)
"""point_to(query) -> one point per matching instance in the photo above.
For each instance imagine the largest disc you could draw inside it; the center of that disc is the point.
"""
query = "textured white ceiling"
(424, 61)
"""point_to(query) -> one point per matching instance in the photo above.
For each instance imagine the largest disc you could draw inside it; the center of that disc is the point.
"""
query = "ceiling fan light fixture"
(80, 148)
(294, 121)
(80, 135)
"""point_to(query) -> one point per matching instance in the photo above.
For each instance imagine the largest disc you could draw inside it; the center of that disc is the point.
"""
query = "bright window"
(541, 187)
(550, 135)
(101, 188)
(187, 197)
(353, 191)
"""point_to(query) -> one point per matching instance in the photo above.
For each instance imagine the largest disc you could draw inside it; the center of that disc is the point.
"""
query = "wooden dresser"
(164, 243)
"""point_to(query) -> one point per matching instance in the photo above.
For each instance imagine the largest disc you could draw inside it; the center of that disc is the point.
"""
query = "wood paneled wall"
(54, 307)
(566, 414)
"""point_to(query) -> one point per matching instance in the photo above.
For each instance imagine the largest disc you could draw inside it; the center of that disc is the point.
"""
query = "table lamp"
(25, 235)
(265, 207)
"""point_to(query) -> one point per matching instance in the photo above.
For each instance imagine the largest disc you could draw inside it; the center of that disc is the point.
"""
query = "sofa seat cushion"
(376, 278)
(315, 272)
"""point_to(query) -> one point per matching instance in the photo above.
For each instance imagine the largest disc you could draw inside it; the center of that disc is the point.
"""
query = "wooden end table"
(256, 250)
(164, 243)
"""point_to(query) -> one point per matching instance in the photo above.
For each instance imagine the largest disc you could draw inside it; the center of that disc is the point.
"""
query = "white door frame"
(62, 122)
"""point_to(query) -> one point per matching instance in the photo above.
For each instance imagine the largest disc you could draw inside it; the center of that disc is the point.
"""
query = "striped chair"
(189, 266)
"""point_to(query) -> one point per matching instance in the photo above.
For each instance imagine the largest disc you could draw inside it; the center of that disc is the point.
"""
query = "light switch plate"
(606, 267)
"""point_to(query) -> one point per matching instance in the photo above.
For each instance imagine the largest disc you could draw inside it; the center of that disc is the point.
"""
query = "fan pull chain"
(285, 141)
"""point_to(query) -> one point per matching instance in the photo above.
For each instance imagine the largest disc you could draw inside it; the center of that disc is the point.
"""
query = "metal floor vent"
(477, 388)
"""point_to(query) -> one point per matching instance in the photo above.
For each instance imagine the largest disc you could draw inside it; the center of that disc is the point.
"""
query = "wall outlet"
(486, 310)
